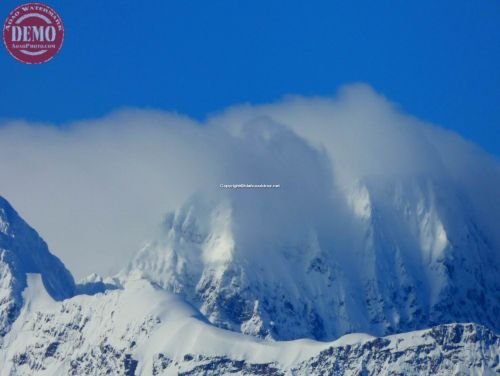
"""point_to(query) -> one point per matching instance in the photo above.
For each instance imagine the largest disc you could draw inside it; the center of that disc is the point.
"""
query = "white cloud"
(96, 190)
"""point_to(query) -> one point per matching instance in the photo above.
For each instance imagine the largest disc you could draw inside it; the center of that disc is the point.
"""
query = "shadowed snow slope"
(395, 256)
(143, 330)
(22, 251)
(139, 328)
(382, 224)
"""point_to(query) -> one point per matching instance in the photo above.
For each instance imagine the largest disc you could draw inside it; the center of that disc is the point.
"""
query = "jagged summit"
(400, 255)
(22, 251)
(142, 329)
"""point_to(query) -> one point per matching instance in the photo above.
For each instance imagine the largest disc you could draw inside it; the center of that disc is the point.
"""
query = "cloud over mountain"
(95, 189)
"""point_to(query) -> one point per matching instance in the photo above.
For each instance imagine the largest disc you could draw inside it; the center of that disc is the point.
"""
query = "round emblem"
(33, 33)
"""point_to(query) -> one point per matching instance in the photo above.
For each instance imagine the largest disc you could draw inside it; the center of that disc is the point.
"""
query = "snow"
(35, 296)
(22, 252)
(403, 260)
(145, 321)
(379, 254)
(179, 329)
(389, 264)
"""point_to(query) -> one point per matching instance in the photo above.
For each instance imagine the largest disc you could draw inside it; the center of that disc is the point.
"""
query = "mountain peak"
(23, 251)
(393, 258)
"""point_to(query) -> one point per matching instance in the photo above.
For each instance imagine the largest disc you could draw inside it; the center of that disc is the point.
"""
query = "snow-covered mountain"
(22, 251)
(407, 255)
(217, 292)
(144, 330)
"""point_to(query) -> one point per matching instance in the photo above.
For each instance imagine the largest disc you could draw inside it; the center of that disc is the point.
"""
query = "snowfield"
(144, 330)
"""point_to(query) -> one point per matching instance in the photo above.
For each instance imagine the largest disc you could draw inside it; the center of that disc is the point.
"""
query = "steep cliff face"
(400, 256)
(139, 327)
(453, 349)
(22, 251)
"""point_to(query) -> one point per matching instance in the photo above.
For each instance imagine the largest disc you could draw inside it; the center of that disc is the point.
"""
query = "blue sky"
(438, 59)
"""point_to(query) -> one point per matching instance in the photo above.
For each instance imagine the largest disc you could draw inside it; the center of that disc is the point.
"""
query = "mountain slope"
(143, 330)
(139, 328)
(22, 251)
(395, 256)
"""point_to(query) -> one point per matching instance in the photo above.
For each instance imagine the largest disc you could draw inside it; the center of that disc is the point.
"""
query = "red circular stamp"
(33, 33)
